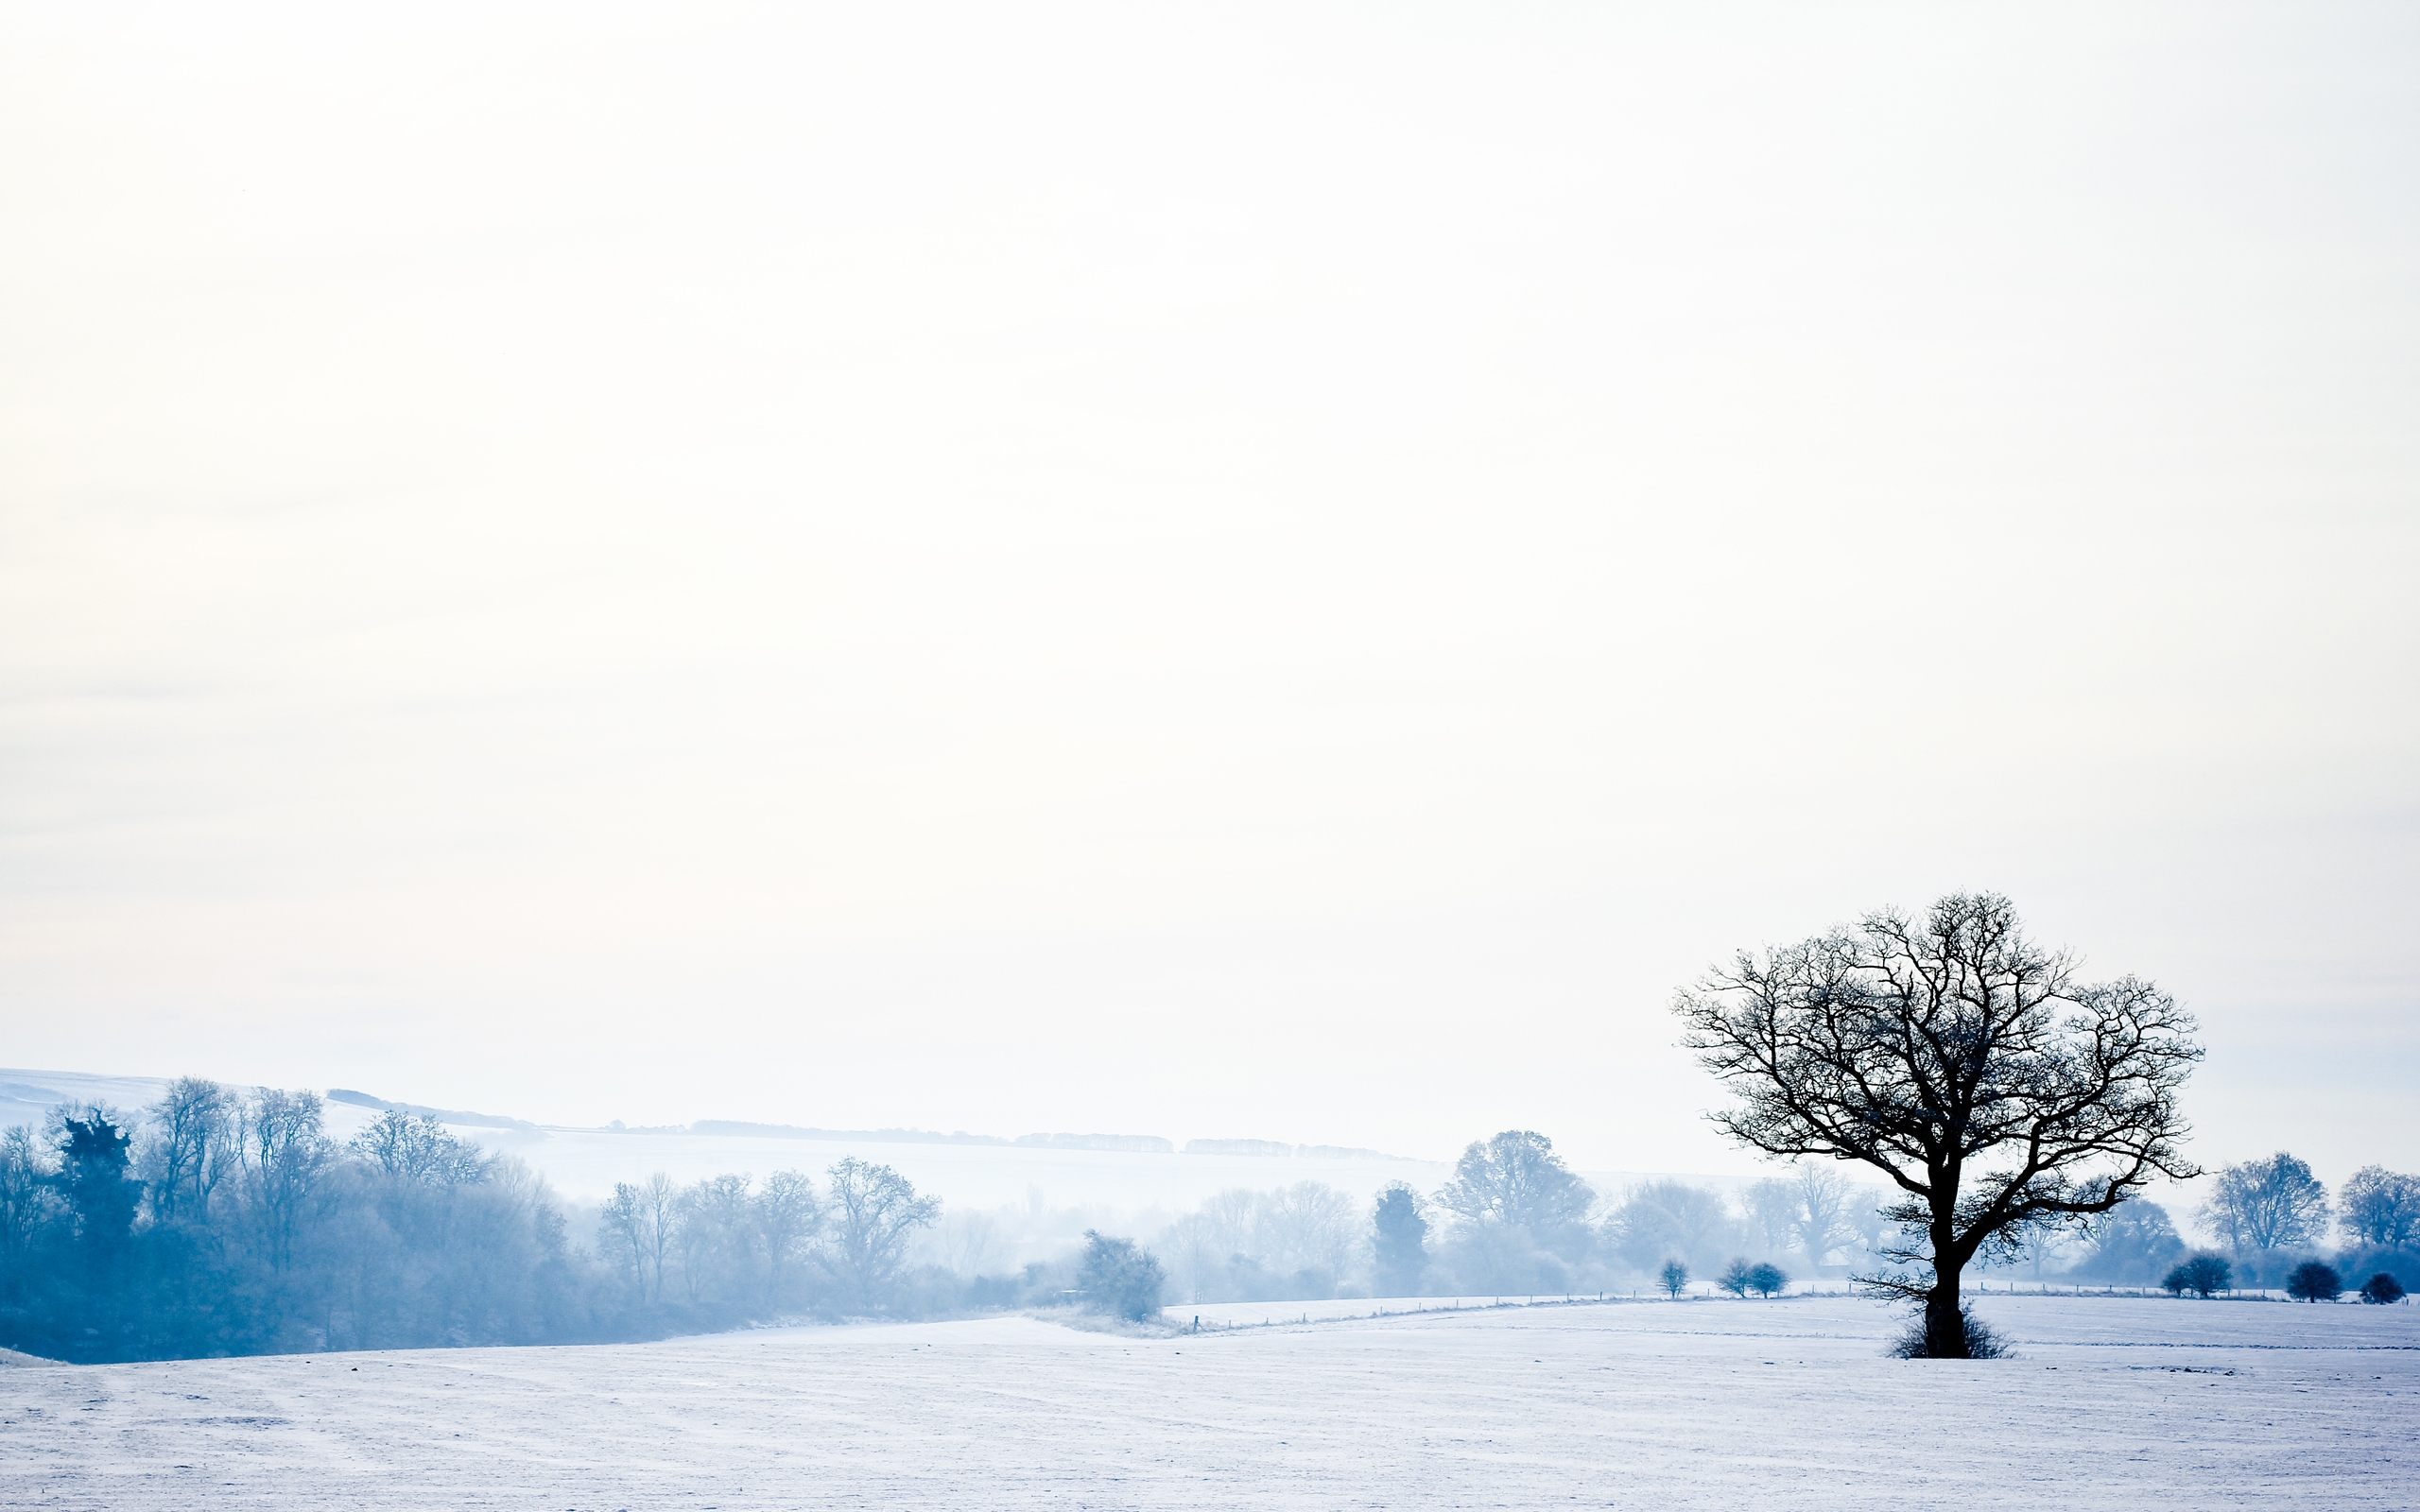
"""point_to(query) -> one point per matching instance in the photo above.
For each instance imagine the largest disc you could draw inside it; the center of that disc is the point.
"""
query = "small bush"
(2314, 1280)
(1118, 1278)
(2381, 1289)
(1982, 1341)
(1735, 1278)
(2203, 1276)
(1767, 1278)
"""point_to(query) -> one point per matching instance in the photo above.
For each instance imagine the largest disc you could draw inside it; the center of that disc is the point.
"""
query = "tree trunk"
(1944, 1320)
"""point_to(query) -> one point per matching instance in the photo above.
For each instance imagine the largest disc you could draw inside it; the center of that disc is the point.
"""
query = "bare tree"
(284, 1153)
(28, 1199)
(2263, 1205)
(1517, 1179)
(875, 1215)
(1997, 1093)
(2382, 1207)
(1307, 1227)
(191, 1149)
(1672, 1219)
(788, 1214)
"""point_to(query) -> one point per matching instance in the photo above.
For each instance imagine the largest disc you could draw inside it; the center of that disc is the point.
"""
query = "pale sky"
(1281, 572)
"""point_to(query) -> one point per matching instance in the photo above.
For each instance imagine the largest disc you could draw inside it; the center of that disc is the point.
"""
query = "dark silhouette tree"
(1399, 1242)
(1673, 1278)
(2381, 1289)
(2314, 1280)
(1119, 1277)
(2203, 1275)
(1738, 1277)
(1767, 1278)
(2000, 1095)
(93, 1170)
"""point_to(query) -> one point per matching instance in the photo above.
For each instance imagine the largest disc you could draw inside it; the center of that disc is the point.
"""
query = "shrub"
(1673, 1278)
(2314, 1280)
(1982, 1342)
(1735, 1278)
(2381, 1289)
(1119, 1279)
(1767, 1278)
(2203, 1276)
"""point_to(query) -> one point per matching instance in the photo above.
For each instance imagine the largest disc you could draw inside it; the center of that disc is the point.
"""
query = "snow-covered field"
(2115, 1403)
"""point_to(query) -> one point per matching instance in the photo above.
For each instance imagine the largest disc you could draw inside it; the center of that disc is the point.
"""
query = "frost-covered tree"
(1738, 1278)
(2265, 1205)
(2380, 1208)
(1673, 1278)
(1997, 1093)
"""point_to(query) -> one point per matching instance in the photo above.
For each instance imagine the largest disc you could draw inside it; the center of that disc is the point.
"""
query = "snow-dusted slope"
(1731, 1404)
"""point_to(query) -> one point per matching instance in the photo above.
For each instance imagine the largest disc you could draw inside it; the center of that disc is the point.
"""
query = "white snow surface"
(2113, 1403)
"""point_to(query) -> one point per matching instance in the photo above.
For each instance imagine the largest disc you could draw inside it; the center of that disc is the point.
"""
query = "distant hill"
(443, 1115)
(872, 1136)
(1132, 1143)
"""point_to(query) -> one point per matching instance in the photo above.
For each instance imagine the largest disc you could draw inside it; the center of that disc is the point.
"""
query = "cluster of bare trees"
(221, 1221)
(724, 1242)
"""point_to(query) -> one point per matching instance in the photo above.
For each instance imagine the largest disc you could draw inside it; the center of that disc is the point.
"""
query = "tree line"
(220, 1221)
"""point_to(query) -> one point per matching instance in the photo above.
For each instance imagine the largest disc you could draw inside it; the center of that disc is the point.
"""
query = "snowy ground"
(2116, 1403)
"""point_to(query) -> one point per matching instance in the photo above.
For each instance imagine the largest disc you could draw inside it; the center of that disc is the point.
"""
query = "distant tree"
(1398, 1241)
(1738, 1277)
(1767, 1278)
(1119, 1279)
(1518, 1181)
(421, 1151)
(2132, 1243)
(788, 1215)
(2381, 1289)
(192, 1149)
(1807, 1211)
(1772, 1207)
(1928, 1048)
(2203, 1275)
(2265, 1205)
(93, 1170)
(1672, 1219)
(28, 1203)
(873, 1214)
(1673, 1278)
(2314, 1280)
(285, 1154)
(1306, 1230)
(2382, 1207)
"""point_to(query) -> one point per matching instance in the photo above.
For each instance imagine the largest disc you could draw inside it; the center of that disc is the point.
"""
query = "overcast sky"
(1283, 572)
